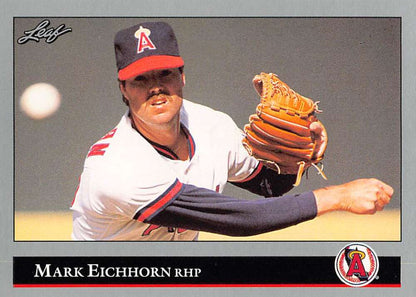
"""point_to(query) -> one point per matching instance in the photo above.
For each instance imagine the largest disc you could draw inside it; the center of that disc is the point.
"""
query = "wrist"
(329, 199)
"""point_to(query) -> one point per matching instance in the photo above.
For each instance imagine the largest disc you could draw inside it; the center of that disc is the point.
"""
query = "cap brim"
(149, 63)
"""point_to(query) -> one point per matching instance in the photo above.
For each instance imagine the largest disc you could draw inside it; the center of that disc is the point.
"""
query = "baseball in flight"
(40, 100)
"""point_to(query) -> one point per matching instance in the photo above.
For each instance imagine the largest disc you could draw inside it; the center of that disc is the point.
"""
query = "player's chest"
(208, 167)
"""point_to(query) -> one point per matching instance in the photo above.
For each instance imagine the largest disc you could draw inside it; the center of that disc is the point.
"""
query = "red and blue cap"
(145, 47)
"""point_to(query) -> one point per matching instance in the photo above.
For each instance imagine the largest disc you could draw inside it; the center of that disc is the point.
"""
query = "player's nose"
(155, 85)
(155, 81)
(156, 90)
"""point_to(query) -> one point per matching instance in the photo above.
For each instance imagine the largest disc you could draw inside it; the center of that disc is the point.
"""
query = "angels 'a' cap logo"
(144, 41)
(356, 265)
(145, 47)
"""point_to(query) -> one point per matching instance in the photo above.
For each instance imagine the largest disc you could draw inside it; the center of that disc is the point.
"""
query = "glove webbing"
(301, 170)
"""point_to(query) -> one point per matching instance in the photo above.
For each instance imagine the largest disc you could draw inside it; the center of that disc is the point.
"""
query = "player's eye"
(140, 78)
(165, 73)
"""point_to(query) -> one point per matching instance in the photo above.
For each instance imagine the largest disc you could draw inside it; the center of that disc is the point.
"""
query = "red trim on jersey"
(157, 205)
(253, 174)
(155, 227)
(150, 229)
(165, 151)
(110, 134)
(191, 142)
(98, 149)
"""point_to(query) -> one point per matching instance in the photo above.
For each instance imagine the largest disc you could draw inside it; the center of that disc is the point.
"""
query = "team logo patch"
(144, 41)
(356, 265)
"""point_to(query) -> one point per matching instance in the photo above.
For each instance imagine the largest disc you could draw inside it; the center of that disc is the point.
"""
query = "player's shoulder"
(114, 135)
(196, 112)
(118, 143)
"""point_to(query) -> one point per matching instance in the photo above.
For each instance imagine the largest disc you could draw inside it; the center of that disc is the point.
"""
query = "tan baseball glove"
(285, 133)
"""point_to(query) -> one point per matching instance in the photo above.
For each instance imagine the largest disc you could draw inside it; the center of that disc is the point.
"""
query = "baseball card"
(218, 149)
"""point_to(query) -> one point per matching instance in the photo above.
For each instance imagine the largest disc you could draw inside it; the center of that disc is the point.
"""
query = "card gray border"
(404, 9)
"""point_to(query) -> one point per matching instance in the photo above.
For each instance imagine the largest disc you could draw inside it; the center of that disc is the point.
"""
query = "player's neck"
(170, 136)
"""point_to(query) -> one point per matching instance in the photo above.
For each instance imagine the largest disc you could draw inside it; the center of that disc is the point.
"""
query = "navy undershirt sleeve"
(206, 210)
(268, 183)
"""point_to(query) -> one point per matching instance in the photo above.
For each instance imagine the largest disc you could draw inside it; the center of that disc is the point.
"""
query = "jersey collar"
(165, 151)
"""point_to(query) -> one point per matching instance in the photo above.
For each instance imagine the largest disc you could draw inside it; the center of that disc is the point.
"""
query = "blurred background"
(350, 65)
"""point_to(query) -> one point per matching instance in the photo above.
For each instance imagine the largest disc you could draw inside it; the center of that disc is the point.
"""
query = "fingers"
(316, 127)
(321, 137)
(367, 196)
(258, 84)
(387, 189)
(384, 191)
(379, 206)
(382, 194)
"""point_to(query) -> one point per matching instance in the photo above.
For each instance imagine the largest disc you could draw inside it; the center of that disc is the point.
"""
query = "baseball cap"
(145, 47)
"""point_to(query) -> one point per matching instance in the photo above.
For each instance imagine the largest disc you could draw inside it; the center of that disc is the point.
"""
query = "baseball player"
(159, 174)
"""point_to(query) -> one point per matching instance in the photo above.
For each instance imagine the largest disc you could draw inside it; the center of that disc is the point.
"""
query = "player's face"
(155, 97)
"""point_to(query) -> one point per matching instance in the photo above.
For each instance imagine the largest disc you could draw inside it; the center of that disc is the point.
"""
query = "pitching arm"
(206, 210)
(268, 183)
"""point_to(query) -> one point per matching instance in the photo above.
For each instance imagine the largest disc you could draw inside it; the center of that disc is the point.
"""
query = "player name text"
(95, 270)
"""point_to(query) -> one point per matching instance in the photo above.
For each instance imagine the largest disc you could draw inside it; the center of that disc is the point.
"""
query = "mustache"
(157, 94)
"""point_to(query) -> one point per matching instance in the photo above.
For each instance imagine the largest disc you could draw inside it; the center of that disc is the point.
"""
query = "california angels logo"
(144, 40)
(356, 265)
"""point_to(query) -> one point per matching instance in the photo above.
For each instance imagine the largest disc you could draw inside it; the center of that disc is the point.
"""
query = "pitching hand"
(362, 196)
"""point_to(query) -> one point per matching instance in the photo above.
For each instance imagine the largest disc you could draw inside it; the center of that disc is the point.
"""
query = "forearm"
(268, 183)
(205, 210)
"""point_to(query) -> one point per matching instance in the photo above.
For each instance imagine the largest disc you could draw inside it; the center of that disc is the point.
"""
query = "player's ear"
(122, 87)
(182, 73)
(183, 79)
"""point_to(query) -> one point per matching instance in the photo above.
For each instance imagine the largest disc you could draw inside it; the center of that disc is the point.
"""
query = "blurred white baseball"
(40, 100)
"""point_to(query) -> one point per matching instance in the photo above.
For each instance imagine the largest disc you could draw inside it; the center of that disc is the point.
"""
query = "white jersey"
(127, 179)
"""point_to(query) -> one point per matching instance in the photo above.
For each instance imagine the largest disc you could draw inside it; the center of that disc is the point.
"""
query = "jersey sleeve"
(268, 183)
(241, 166)
(206, 210)
(118, 194)
(126, 180)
